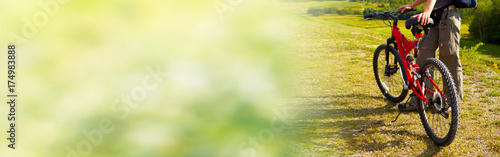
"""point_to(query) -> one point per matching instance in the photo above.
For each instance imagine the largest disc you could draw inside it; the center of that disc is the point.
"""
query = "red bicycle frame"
(411, 69)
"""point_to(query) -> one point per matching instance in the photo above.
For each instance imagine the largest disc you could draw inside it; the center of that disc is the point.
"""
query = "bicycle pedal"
(445, 114)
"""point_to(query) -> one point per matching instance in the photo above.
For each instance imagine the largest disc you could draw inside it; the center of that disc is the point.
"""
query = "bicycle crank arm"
(444, 113)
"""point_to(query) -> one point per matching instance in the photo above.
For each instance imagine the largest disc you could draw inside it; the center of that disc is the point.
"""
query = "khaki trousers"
(446, 36)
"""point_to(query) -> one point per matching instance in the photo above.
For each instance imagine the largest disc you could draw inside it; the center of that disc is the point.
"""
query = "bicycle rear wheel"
(439, 119)
(387, 68)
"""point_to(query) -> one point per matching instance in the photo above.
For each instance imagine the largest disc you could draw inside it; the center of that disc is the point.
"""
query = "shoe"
(409, 106)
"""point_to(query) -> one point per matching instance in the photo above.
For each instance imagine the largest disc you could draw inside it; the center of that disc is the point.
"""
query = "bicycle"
(425, 82)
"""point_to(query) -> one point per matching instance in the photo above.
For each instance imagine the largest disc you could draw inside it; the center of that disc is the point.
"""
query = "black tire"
(391, 86)
(441, 132)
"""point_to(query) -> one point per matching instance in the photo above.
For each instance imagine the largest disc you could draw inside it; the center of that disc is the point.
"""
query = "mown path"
(337, 108)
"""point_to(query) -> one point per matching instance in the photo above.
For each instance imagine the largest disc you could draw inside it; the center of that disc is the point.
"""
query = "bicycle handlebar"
(368, 16)
(387, 14)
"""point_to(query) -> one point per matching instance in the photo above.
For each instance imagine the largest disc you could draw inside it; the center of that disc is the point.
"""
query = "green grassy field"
(338, 109)
(488, 52)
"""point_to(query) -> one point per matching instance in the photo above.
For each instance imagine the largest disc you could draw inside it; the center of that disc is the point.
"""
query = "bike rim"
(439, 123)
(392, 84)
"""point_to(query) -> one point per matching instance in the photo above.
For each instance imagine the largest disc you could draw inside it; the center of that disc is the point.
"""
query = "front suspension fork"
(390, 41)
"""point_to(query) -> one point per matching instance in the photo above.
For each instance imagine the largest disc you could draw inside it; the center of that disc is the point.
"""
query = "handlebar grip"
(367, 16)
(374, 15)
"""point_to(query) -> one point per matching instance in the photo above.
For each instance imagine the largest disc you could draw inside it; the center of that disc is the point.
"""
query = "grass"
(339, 110)
(493, 93)
(495, 122)
(488, 53)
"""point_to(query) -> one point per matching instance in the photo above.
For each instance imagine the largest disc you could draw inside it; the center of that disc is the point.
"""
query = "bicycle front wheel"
(387, 68)
(440, 117)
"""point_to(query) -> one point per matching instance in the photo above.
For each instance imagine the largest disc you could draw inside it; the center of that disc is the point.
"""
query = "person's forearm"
(430, 5)
(417, 3)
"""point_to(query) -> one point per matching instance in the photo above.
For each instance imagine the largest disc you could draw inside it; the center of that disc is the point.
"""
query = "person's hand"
(423, 18)
(404, 7)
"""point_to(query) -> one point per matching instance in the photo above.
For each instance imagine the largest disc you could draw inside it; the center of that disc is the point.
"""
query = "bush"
(318, 13)
(330, 10)
(349, 11)
(485, 22)
(368, 11)
(471, 53)
(312, 10)
(315, 11)
(341, 12)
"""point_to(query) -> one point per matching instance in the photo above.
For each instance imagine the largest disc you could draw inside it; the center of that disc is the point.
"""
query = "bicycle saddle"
(414, 21)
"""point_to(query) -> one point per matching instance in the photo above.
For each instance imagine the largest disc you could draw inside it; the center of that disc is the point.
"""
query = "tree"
(485, 22)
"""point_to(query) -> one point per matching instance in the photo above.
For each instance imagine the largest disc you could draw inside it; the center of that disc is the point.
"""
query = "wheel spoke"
(438, 123)
(393, 82)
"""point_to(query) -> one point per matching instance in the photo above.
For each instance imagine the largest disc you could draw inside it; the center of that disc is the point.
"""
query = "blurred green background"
(222, 66)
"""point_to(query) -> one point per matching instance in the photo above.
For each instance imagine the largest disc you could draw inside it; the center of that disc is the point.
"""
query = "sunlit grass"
(340, 111)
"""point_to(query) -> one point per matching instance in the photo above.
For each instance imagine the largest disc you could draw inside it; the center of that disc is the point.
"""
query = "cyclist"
(445, 34)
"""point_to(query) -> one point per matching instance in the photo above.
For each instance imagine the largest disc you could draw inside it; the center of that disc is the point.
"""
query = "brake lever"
(406, 11)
